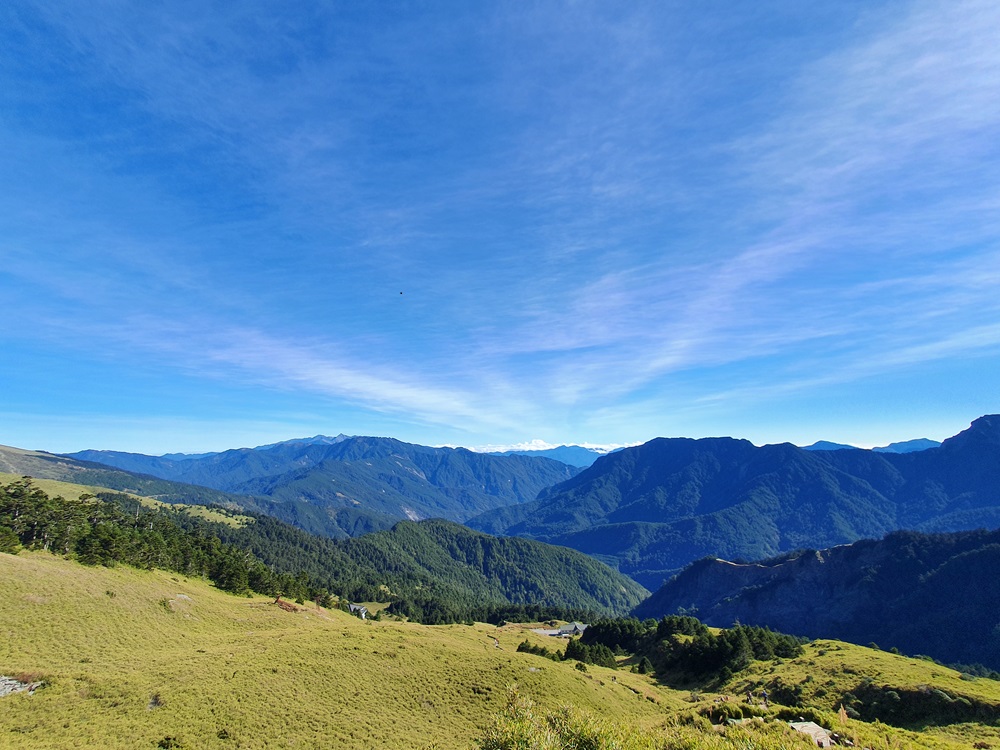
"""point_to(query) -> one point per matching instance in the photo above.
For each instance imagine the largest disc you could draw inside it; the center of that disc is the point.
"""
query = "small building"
(358, 611)
(566, 631)
(819, 735)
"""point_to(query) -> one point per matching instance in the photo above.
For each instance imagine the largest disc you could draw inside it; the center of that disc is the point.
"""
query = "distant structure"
(566, 631)
(358, 611)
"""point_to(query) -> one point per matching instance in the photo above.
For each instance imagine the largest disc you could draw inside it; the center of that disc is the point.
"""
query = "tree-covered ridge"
(438, 572)
(652, 509)
(521, 571)
(675, 647)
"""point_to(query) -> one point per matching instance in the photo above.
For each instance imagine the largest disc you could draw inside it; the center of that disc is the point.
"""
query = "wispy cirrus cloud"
(873, 181)
(584, 211)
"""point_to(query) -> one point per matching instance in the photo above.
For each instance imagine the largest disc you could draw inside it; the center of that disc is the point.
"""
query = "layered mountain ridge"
(652, 509)
(349, 485)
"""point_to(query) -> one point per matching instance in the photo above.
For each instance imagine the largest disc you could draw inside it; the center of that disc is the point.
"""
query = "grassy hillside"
(132, 657)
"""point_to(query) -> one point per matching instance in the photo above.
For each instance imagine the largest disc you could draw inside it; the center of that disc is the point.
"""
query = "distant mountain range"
(315, 440)
(345, 486)
(43, 465)
(574, 455)
(652, 509)
(935, 594)
(907, 446)
(647, 511)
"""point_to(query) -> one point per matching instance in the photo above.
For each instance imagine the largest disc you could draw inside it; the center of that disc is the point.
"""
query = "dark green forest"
(677, 649)
(684, 648)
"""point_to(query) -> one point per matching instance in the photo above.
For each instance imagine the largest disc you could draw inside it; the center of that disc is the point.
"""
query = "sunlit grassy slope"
(54, 487)
(70, 491)
(135, 659)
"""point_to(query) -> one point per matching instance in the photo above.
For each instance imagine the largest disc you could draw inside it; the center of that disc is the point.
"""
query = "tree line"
(103, 533)
(263, 555)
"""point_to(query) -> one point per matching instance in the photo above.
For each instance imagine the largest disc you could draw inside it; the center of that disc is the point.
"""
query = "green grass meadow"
(132, 657)
(146, 659)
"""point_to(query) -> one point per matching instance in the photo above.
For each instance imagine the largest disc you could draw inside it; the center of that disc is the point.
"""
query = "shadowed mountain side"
(935, 594)
(652, 509)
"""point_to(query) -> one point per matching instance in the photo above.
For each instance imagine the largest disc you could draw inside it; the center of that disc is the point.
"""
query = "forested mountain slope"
(433, 571)
(379, 478)
(652, 509)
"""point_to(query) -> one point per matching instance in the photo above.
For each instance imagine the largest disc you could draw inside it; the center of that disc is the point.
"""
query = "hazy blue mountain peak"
(314, 440)
(574, 455)
(186, 456)
(904, 446)
(826, 445)
(909, 446)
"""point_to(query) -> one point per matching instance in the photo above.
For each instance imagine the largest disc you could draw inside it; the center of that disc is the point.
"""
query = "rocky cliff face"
(804, 594)
(936, 594)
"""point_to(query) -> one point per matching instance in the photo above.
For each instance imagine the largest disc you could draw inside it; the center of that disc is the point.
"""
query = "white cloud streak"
(873, 177)
(863, 211)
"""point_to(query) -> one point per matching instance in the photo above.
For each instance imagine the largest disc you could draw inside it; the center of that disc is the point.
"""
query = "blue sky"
(227, 224)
